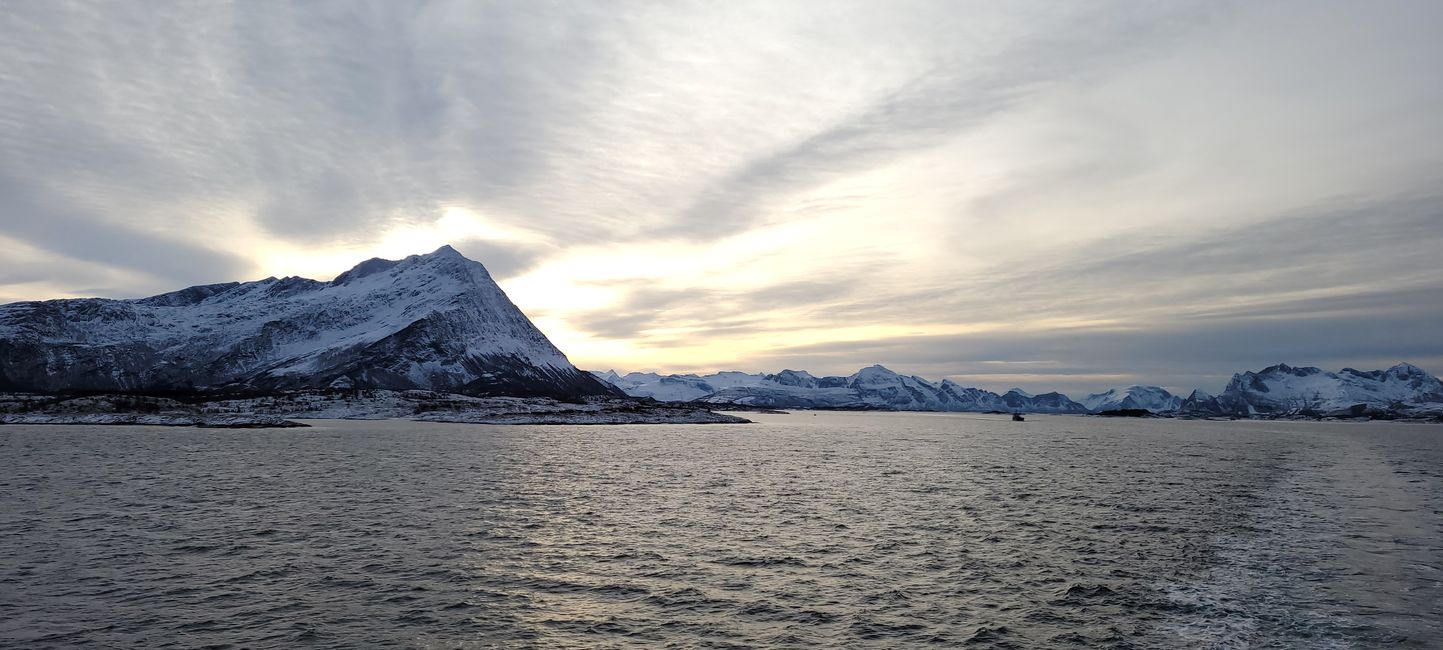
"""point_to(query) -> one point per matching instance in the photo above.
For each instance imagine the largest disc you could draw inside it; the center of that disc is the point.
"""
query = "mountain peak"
(874, 374)
(1296, 371)
(445, 257)
(434, 322)
(369, 267)
(1405, 369)
(446, 251)
(799, 378)
(1136, 396)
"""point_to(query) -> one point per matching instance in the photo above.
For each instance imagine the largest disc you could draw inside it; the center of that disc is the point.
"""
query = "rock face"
(1285, 390)
(434, 322)
(1201, 404)
(1053, 402)
(873, 387)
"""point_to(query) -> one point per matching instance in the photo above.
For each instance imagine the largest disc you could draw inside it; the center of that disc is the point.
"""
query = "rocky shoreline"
(282, 409)
(139, 419)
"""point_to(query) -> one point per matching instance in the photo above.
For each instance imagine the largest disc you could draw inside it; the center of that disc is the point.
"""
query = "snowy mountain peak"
(609, 377)
(1199, 403)
(874, 387)
(1285, 369)
(799, 378)
(368, 267)
(1150, 398)
(1275, 390)
(434, 321)
(188, 295)
(1407, 371)
(873, 375)
(444, 259)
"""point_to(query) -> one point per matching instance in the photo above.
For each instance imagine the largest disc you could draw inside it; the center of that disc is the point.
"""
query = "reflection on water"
(833, 529)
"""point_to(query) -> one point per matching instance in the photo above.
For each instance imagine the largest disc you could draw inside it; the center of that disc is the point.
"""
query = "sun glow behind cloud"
(455, 226)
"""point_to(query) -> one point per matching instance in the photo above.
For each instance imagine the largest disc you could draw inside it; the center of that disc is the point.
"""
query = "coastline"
(281, 410)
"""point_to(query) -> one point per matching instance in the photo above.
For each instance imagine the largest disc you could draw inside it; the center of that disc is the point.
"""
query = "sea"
(802, 530)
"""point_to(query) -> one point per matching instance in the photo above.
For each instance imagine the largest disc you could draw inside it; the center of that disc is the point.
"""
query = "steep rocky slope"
(434, 322)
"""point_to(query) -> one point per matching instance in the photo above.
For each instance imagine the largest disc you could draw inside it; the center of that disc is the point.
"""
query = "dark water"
(836, 530)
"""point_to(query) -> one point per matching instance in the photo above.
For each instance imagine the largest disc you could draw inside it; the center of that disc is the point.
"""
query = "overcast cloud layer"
(1049, 195)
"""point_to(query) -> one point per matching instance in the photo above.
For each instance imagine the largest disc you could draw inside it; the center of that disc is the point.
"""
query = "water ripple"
(834, 530)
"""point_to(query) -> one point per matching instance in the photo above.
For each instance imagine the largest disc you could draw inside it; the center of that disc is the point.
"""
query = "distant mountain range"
(438, 322)
(1401, 391)
(434, 322)
(1404, 389)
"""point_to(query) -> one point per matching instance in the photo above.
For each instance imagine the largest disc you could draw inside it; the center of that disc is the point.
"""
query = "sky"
(1038, 194)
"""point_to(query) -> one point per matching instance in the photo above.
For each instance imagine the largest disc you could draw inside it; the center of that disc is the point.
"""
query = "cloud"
(642, 308)
(504, 259)
(1358, 289)
(699, 184)
(1183, 354)
(952, 95)
(71, 233)
(712, 312)
(1334, 249)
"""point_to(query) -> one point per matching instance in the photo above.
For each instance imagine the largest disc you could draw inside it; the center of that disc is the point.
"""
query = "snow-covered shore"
(153, 420)
(279, 410)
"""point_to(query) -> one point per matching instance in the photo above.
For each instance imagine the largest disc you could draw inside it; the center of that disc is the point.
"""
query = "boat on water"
(1017, 417)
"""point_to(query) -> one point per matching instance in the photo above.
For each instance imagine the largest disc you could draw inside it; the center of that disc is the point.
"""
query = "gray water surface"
(803, 530)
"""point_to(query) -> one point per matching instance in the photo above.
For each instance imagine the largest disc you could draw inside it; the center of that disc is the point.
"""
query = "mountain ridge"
(439, 322)
(1403, 389)
(434, 322)
(1281, 389)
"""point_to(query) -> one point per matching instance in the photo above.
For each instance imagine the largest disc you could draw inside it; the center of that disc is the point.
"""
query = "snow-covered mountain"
(880, 387)
(1151, 398)
(873, 387)
(1283, 389)
(436, 322)
(974, 399)
(669, 388)
(1053, 402)
(1200, 403)
(1403, 389)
